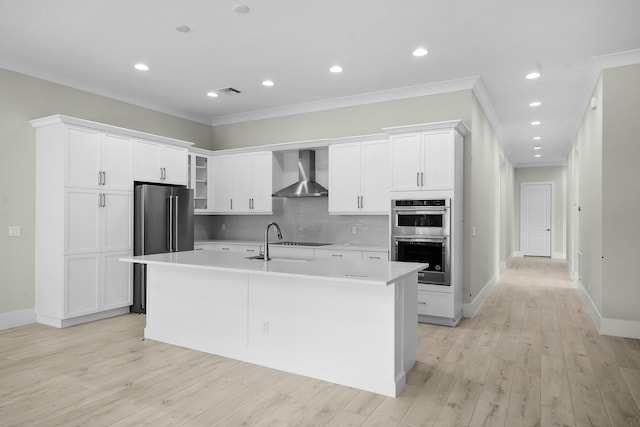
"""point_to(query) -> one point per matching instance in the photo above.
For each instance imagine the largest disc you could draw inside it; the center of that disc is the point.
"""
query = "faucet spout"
(266, 238)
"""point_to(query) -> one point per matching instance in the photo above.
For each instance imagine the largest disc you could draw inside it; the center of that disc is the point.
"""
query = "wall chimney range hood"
(306, 186)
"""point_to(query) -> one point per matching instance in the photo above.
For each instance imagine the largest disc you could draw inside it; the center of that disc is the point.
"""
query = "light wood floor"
(531, 357)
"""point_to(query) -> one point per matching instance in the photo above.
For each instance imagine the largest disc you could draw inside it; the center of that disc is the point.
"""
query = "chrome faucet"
(266, 239)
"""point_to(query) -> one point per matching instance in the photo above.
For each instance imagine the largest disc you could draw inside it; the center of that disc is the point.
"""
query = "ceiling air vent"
(229, 91)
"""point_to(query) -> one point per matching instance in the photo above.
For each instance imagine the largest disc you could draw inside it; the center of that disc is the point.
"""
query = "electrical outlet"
(354, 229)
(223, 227)
(265, 327)
(15, 230)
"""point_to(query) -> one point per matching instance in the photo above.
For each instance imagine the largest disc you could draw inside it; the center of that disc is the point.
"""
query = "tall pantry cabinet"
(84, 220)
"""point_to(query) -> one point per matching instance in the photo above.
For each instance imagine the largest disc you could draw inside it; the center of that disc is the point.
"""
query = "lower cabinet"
(438, 304)
(95, 283)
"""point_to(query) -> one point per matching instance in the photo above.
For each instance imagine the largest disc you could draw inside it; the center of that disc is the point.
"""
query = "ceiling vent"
(229, 91)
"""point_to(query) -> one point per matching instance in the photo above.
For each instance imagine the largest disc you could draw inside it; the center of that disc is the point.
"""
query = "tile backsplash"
(303, 219)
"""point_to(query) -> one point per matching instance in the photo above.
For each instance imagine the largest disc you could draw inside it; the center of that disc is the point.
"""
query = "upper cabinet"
(199, 181)
(97, 160)
(241, 183)
(359, 177)
(427, 157)
(161, 163)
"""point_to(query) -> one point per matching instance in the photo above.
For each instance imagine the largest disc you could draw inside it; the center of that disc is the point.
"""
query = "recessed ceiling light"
(241, 9)
(536, 123)
(212, 94)
(535, 104)
(183, 29)
(533, 75)
(420, 52)
(336, 69)
(537, 138)
(267, 83)
(537, 155)
(141, 67)
(537, 147)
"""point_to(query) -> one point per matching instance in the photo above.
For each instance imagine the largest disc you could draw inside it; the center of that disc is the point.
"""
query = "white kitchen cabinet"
(96, 159)
(337, 254)
(290, 252)
(162, 163)
(97, 221)
(423, 161)
(359, 177)
(426, 160)
(436, 304)
(242, 183)
(199, 181)
(232, 247)
(96, 282)
(84, 217)
(375, 256)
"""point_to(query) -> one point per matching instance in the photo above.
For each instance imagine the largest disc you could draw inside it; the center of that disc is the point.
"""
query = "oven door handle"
(440, 211)
(430, 239)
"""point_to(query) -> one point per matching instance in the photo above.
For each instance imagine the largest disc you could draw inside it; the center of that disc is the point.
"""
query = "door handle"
(175, 223)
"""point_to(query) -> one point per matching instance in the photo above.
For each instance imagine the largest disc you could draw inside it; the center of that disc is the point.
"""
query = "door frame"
(551, 216)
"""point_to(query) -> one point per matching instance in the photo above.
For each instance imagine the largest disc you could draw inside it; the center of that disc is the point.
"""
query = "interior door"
(535, 219)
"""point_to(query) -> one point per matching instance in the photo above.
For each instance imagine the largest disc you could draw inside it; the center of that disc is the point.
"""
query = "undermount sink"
(261, 258)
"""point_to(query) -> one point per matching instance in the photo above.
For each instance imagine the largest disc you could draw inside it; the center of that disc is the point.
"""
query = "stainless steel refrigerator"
(163, 222)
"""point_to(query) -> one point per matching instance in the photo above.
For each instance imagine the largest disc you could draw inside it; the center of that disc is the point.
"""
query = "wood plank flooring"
(530, 357)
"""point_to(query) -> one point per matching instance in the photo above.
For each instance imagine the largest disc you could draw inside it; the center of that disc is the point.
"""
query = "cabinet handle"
(164, 172)
(422, 179)
(417, 179)
(361, 202)
(231, 204)
(99, 200)
(161, 174)
(337, 255)
(226, 249)
(99, 177)
(422, 302)
(104, 178)
(250, 250)
(375, 257)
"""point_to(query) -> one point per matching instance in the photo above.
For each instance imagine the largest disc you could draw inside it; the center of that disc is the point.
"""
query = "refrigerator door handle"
(170, 223)
(143, 287)
(175, 224)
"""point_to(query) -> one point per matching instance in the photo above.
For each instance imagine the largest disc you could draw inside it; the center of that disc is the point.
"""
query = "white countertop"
(274, 244)
(353, 271)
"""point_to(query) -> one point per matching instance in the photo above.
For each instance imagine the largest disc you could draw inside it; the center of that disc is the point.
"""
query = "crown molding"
(350, 101)
(617, 59)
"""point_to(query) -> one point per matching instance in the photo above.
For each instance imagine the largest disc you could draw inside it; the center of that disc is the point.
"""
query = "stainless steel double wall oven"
(421, 232)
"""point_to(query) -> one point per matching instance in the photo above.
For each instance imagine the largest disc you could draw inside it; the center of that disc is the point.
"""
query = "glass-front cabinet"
(198, 181)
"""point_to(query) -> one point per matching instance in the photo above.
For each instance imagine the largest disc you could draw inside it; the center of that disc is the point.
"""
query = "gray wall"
(621, 192)
(557, 176)
(24, 98)
(604, 182)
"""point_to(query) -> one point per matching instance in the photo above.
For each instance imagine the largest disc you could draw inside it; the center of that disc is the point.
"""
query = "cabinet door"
(81, 285)
(148, 161)
(175, 163)
(116, 281)
(261, 182)
(344, 178)
(221, 183)
(116, 221)
(439, 162)
(406, 162)
(82, 221)
(376, 167)
(198, 180)
(242, 176)
(82, 158)
(117, 162)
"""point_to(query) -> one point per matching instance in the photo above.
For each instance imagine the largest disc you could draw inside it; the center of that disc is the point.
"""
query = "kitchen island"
(349, 322)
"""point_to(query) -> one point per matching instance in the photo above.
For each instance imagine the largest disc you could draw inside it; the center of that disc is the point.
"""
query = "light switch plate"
(15, 230)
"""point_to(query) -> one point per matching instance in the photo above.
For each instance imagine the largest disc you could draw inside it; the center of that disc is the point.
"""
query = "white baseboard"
(559, 255)
(607, 326)
(505, 264)
(13, 319)
(470, 310)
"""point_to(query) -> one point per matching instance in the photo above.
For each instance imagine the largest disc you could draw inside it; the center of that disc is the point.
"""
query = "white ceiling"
(93, 45)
